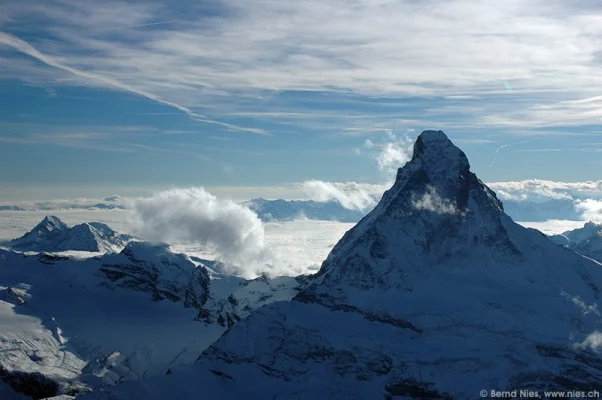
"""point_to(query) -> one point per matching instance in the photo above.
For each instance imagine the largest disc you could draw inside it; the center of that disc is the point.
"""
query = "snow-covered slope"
(586, 240)
(436, 294)
(80, 324)
(286, 210)
(53, 235)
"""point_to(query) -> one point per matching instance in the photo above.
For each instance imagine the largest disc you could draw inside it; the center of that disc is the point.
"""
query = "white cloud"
(547, 52)
(25, 48)
(351, 195)
(394, 155)
(502, 194)
(591, 209)
(185, 216)
(537, 189)
(195, 217)
(433, 202)
(593, 341)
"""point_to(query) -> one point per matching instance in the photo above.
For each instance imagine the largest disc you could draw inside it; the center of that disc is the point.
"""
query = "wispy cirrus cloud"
(25, 48)
(124, 139)
(202, 57)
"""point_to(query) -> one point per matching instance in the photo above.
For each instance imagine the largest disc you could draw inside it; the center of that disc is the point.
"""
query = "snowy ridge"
(81, 324)
(435, 294)
(586, 241)
(53, 235)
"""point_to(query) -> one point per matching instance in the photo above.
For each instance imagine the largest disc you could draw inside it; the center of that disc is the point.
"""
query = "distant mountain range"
(61, 205)
(11, 208)
(530, 211)
(53, 235)
(286, 210)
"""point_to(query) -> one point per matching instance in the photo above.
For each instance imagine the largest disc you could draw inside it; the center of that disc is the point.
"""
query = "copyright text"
(533, 394)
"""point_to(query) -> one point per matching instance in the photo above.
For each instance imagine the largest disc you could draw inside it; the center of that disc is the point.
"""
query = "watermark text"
(535, 394)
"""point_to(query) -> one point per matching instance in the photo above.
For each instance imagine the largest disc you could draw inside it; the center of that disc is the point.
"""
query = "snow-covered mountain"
(435, 294)
(586, 240)
(10, 208)
(85, 204)
(286, 210)
(68, 325)
(53, 235)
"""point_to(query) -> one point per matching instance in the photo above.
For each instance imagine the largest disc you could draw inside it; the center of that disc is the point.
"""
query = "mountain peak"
(592, 225)
(437, 212)
(51, 223)
(52, 235)
(436, 152)
(432, 135)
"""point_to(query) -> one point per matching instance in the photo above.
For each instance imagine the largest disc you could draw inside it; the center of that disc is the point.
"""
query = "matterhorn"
(435, 294)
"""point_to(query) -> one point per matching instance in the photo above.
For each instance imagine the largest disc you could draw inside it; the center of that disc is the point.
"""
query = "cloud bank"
(591, 209)
(185, 216)
(81, 203)
(194, 216)
(351, 195)
(538, 189)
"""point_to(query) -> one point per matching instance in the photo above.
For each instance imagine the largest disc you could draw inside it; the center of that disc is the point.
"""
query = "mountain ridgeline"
(287, 210)
(53, 235)
(70, 325)
(586, 241)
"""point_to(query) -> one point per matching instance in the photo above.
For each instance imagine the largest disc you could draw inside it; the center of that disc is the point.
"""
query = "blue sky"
(253, 97)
